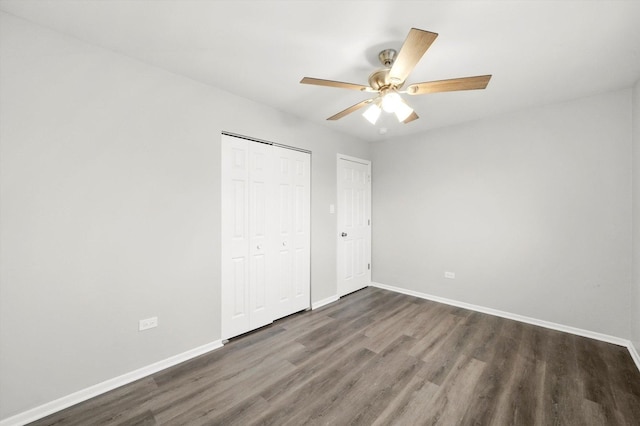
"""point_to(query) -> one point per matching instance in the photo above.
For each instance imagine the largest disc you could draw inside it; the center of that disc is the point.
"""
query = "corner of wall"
(635, 281)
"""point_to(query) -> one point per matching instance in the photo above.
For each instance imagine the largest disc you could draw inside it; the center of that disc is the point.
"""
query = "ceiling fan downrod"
(380, 79)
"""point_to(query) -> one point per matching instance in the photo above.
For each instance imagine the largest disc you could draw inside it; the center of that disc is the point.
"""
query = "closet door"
(292, 267)
(235, 237)
(261, 253)
(265, 234)
(301, 231)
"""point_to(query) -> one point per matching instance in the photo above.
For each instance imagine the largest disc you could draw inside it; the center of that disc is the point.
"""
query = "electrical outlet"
(450, 275)
(145, 324)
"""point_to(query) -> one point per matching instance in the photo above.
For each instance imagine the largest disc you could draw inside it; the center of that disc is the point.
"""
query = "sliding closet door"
(265, 234)
(292, 267)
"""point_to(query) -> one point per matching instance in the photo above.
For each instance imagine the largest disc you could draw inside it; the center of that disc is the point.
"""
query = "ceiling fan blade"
(465, 83)
(410, 118)
(338, 84)
(349, 110)
(416, 43)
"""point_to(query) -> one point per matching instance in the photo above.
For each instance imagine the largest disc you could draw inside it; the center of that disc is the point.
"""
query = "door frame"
(341, 291)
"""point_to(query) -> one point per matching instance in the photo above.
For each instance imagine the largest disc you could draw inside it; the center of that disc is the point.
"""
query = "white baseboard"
(634, 354)
(100, 388)
(521, 318)
(321, 303)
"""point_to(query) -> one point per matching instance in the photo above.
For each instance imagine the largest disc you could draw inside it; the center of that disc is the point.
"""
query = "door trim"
(339, 291)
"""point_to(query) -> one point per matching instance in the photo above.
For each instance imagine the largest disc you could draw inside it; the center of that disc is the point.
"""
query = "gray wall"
(635, 318)
(111, 210)
(531, 210)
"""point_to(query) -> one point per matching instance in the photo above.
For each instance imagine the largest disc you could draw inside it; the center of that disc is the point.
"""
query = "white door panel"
(301, 231)
(293, 239)
(354, 226)
(235, 230)
(283, 274)
(260, 158)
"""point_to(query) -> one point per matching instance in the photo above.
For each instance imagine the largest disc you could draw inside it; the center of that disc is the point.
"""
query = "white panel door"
(265, 234)
(292, 268)
(235, 236)
(354, 225)
(261, 254)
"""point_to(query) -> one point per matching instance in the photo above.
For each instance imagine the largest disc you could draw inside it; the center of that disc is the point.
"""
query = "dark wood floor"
(377, 357)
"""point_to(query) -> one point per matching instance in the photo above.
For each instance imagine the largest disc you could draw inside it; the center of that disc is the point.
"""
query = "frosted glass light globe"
(372, 113)
(390, 102)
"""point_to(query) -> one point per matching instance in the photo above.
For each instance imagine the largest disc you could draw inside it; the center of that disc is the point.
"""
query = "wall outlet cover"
(145, 324)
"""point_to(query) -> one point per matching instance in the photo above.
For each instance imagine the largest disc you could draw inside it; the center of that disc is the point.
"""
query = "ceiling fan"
(388, 81)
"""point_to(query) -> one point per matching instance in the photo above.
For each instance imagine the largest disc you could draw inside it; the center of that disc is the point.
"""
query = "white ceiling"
(539, 52)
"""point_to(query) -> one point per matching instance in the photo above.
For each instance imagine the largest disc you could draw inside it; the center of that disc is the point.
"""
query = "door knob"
(344, 234)
(284, 244)
(259, 247)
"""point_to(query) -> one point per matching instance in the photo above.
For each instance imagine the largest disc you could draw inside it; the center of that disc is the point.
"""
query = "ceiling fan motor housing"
(379, 79)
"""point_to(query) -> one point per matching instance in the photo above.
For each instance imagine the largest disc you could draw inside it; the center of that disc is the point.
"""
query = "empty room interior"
(319, 212)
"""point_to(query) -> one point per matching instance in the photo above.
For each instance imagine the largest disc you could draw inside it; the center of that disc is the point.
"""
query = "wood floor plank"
(206, 405)
(455, 393)
(431, 341)
(517, 404)
(312, 320)
(114, 407)
(328, 359)
(488, 330)
(381, 381)
(384, 332)
(628, 407)
(500, 360)
(145, 419)
(242, 413)
(221, 387)
(382, 358)
(215, 380)
(409, 404)
(322, 390)
(428, 314)
(563, 388)
(449, 351)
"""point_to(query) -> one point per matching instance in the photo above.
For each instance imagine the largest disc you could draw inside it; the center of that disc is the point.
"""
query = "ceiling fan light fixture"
(372, 113)
(402, 111)
(390, 101)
